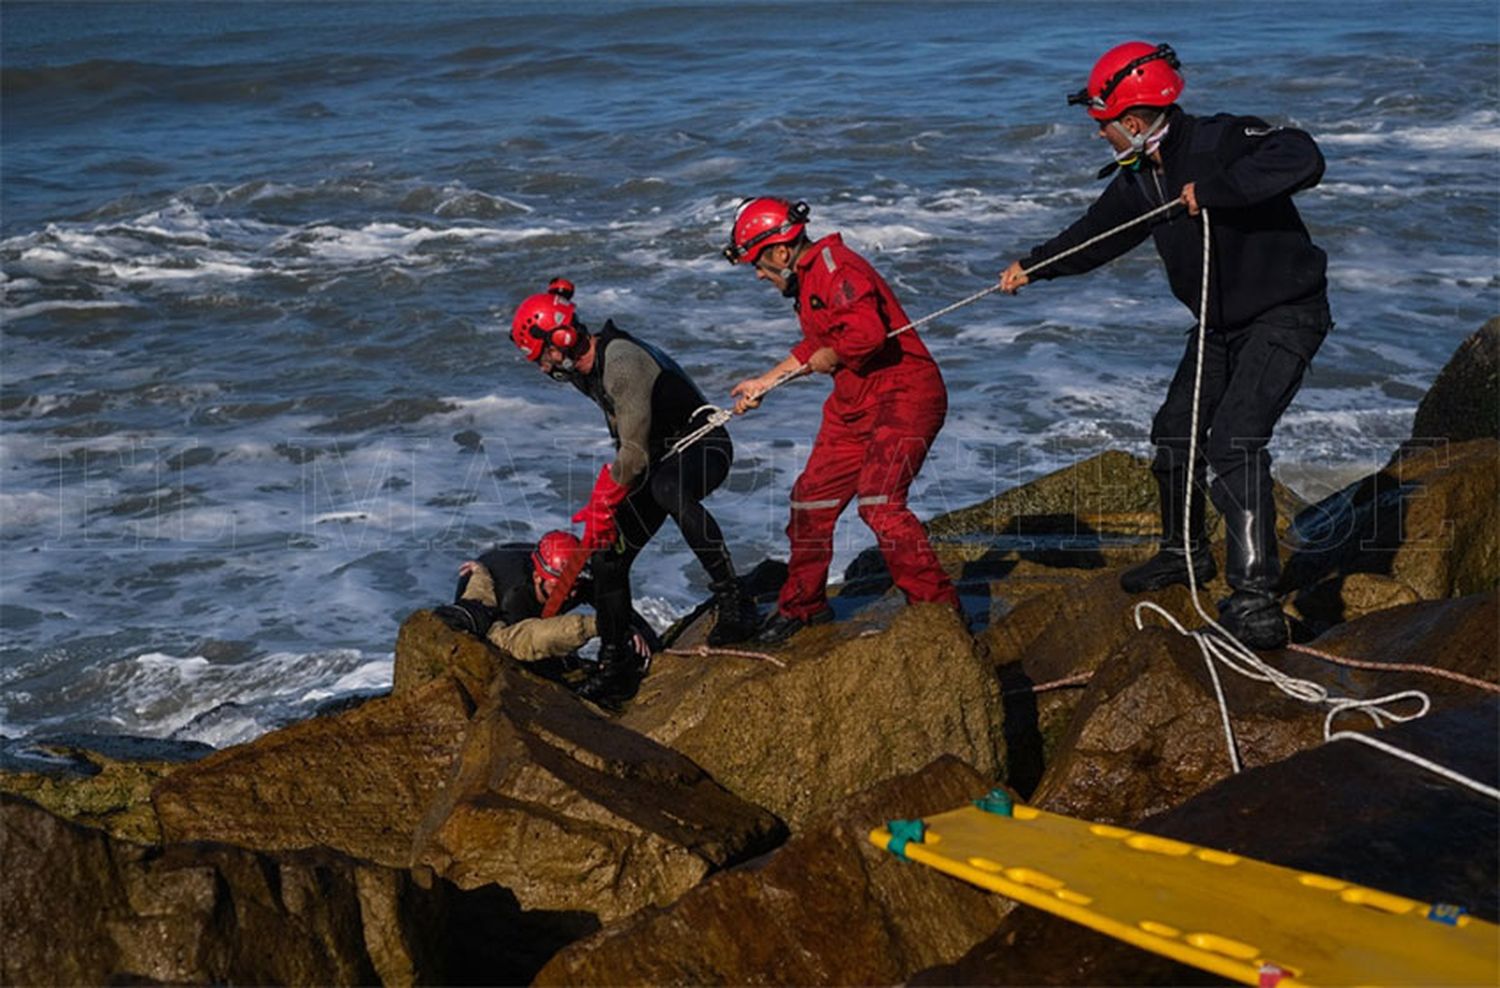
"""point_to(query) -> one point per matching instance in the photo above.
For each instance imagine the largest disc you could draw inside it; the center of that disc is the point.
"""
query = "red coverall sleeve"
(855, 330)
(803, 351)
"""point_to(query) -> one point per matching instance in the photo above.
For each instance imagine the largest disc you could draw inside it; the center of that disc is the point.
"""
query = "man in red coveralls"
(888, 403)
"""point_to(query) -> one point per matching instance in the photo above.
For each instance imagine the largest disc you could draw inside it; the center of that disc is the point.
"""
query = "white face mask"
(1142, 145)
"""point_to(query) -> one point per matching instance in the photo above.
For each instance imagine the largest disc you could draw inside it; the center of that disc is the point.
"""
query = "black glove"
(466, 615)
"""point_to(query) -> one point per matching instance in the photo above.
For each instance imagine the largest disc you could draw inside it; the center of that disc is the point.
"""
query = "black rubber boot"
(615, 680)
(466, 615)
(735, 615)
(1170, 564)
(1254, 618)
(779, 627)
(1252, 568)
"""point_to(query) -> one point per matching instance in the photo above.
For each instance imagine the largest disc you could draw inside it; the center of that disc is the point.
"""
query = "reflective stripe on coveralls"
(887, 405)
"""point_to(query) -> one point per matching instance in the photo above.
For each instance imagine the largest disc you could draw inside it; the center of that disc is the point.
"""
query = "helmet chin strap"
(787, 275)
(1142, 145)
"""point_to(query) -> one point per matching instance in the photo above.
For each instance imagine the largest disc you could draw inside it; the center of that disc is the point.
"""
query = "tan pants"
(533, 638)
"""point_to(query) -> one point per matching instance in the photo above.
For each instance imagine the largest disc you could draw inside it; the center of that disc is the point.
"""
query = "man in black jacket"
(1267, 309)
(500, 596)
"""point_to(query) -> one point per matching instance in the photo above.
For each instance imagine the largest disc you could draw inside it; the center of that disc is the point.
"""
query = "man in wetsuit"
(1267, 309)
(500, 597)
(887, 405)
(648, 403)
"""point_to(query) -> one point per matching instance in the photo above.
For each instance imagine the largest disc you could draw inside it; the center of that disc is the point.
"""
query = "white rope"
(1164, 207)
(717, 417)
(1234, 655)
(720, 416)
(1430, 766)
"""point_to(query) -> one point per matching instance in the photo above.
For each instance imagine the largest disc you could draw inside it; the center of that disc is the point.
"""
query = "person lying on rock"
(649, 403)
(1267, 309)
(887, 405)
(500, 596)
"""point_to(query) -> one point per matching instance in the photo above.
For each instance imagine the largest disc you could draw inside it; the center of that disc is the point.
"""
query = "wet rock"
(1048, 537)
(1110, 498)
(1356, 813)
(1340, 809)
(1031, 947)
(1112, 493)
(423, 930)
(828, 908)
(1431, 520)
(1464, 401)
(356, 782)
(1461, 635)
(570, 811)
(1147, 734)
(1059, 634)
(110, 790)
(81, 908)
(856, 702)
(1046, 648)
(762, 584)
(78, 907)
(427, 649)
(1330, 602)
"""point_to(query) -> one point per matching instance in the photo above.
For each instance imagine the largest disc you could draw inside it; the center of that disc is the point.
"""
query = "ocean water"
(257, 397)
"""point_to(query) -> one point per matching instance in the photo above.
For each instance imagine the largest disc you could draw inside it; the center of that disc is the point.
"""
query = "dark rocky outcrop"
(1057, 638)
(1109, 499)
(98, 781)
(827, 908)
(1427, 526)
(427, 649)
(570, 811)
(853, 704)
(1457, 635)
(1112, 493)
(356, 782)
(1147, 734)
(1464, 401)
(80, 907)
(1429, 521)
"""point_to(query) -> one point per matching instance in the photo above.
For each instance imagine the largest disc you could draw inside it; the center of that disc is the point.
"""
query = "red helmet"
(546, 318)
(1133, 74)
(552, 553)
(761, 223)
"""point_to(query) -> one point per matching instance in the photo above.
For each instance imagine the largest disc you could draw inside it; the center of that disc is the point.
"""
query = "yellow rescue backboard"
(1246, 920)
